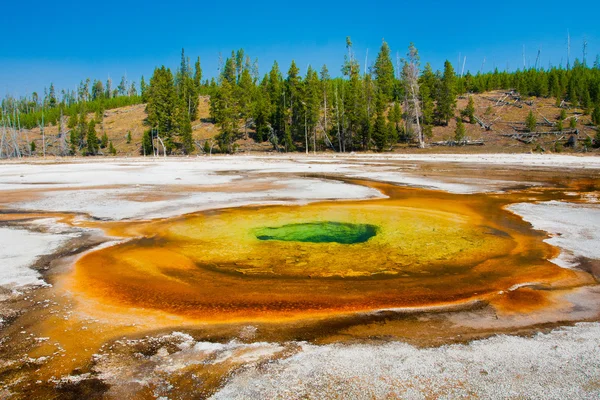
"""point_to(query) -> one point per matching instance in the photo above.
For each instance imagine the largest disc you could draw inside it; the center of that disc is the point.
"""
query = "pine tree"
(104, 140)
(128, 140)
(147, 148)
(111, 149)
(245, 96)
(573, 123)
(563, 115)
(596, 115)
(380, 129)
(459, 132)
(559, 125)
(162, 105)
(295, 109)
(92, 139)
(469, 111)
(73, 124)
(198, 75)
(143, 90)
(187, 90)
(384, 72)
(530, 122)
(52, 102)
(395, 117)
(32, 146)
(427, 109)
(224, 111)
(186, 137)
(446, 100)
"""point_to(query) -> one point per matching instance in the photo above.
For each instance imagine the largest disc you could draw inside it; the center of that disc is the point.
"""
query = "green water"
(319, 232)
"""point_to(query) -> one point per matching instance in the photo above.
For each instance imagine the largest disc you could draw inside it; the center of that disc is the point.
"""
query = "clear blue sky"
(64, 42)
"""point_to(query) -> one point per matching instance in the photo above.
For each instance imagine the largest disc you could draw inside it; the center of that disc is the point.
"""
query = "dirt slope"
(118, 122)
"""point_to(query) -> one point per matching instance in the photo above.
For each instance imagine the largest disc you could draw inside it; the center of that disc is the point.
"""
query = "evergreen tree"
(52, 102)
(32, 146)
(469, 111)
(111, 149)
(559, 125)
(459, 132)
(224, 112)
(530, 122)
(198, 75)
(186, 137)
(384, 72)
(104, 141)
(143, 90)
(73, 124)
(187, 90)
(446, 100)
(380, 129)
(245, 96)
(596, 115)
(92, 139)
(573, 123)
(147, 148)
(162, 104)
(395, 117)
(427, 109)
(128, 140)
(563, 115)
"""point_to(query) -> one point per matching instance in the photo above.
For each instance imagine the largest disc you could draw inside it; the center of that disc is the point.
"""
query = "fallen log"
(487, 127)
(459, 143)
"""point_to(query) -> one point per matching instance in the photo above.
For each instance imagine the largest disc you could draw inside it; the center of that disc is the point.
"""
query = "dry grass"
(117, 122)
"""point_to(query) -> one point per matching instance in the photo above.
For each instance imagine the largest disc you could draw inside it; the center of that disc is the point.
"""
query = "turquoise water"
(319, 232)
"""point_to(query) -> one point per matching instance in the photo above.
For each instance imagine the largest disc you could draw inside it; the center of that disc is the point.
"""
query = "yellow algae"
(430, 249)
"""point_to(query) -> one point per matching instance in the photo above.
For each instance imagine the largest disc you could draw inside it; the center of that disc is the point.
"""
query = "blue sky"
(64, 42)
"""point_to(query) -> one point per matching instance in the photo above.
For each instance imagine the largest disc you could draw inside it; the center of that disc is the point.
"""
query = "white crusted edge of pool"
(573, 227)
(564, 363)
(22, 248)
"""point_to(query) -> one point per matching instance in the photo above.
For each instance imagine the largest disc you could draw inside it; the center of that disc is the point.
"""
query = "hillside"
(503, 116)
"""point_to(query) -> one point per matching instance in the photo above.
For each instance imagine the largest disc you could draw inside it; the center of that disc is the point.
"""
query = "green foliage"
(380, 129)
(559, 125)
(146, 148)
(346, 112)
(596, 115)
(111, 149)
(92, 139)
(384, 72)
(459, 131)
(446, 99)
(563, 115)
(530, 122)
(186, 137)
(32, 146)
(162, 104)
(469, 111)
(573, 123)
(104, 140)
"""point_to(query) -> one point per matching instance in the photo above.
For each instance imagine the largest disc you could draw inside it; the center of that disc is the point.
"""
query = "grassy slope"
(119, 121)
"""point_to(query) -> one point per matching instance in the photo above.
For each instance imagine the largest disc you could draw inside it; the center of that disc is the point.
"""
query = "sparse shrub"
(573, 123)
(459, 132)
(530, 122)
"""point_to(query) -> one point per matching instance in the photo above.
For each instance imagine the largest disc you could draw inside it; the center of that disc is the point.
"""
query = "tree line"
(362, 108)
(371, 108)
